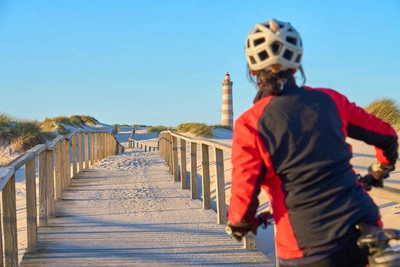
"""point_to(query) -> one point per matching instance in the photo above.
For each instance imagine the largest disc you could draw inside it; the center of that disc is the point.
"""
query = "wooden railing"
(132, 143)
(168, 146)
(54, 167)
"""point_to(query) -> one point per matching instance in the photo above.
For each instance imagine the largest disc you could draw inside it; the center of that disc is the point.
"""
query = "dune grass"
(197, 129)
(159, 129)
(22, 135)
(60, 122)
(194, 128)
(386, 109)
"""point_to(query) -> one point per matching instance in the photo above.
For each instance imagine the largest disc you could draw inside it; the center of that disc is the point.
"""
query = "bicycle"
(376, 239)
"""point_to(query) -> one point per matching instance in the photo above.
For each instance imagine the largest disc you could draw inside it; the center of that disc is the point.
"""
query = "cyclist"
(291, 143)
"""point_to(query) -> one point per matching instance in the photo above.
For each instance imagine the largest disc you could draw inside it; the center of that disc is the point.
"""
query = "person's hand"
(379, 172)
(239, 230)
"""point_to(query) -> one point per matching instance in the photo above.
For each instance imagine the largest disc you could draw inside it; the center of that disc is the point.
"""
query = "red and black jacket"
(293, 146)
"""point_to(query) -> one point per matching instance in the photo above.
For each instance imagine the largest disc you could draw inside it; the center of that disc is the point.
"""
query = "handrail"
(169, 151)
(54, 176)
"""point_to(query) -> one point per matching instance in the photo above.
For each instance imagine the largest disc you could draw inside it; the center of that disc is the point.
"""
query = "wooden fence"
(132, 143)
(168, 147)
(54, 166)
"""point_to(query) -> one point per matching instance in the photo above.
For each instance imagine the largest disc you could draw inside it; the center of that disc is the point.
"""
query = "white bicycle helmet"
(273, 44)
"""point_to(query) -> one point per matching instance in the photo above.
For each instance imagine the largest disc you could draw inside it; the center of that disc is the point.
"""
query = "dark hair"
(267, 82)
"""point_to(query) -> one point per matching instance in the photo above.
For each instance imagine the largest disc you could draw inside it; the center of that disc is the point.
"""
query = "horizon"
(163, 63)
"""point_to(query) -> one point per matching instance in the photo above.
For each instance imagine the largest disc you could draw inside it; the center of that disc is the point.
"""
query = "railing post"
(74, 162)
(182, 143)
(193, 170)
(67, 147)
(51, 209)
(205, 163)
(10, 223)
(58, 171)
(167, 152)
(248, 241)
(117, 147)
(175, 159)
(170, 155)
(31, 215)
(103, 146)
(165, 145)
(43, 183)
(91, 137)
(63, 164)
(220, 185)
(80, 152)
(86, 150)
(96, 149)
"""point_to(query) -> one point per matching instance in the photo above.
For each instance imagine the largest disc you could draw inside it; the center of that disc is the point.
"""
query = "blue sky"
(162, 62)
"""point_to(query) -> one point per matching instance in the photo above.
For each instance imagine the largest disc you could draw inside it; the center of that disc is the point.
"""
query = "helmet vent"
(276, 47)
(288, 55)
(259, 41)
(263, 55)
(257, 30)
(290, 29)
(252, 60)
(291, 40)
(248, 43)
(298, 59)
(281, 25)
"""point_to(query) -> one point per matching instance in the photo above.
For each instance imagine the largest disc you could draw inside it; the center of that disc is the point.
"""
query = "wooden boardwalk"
(138, 217)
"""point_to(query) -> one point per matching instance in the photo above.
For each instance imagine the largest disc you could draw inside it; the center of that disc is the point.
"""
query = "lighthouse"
(227, 107)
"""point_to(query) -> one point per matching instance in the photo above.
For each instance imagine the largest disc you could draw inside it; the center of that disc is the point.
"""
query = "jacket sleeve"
(370, 129)
(247, 172)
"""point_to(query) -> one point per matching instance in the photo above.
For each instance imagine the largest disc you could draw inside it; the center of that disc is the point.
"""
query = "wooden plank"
(43, 184)
(74, 162)
(220, 185)
(10, 224)
(5, 174)
(184, 184)
(51, 209)
(31, 215)
(193, 171)
(175, 159)
(37, 149)
(205, 163)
